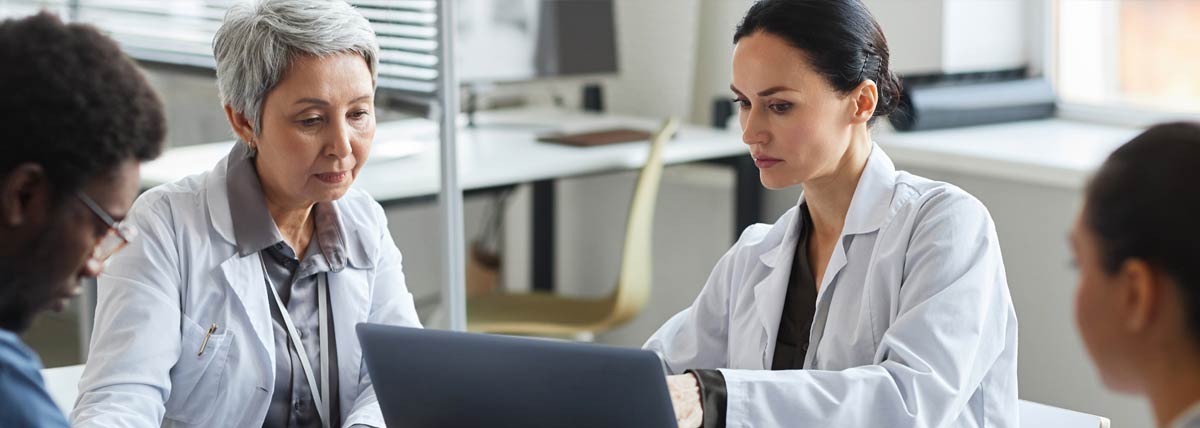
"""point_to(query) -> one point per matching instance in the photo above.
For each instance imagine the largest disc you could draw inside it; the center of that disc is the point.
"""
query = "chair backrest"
(1037, 415)
(633, 283)
(63, 385)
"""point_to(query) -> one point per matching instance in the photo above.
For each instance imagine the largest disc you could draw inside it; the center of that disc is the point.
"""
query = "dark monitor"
(500, 41)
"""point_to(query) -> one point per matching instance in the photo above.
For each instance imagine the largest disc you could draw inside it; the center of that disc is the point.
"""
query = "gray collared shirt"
(295, 279)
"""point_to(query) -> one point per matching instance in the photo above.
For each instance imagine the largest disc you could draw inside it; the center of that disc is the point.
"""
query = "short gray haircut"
(256, 43)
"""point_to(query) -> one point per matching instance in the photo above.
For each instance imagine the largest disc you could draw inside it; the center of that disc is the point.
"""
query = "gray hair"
(256, 43)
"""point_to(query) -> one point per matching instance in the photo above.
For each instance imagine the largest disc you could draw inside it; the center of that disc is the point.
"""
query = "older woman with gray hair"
(237, 305)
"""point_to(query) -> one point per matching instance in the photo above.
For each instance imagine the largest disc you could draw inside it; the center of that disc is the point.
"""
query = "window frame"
(1044, 50)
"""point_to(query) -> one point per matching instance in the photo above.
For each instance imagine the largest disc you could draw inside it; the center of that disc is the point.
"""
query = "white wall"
(714, 52)
(930, 36)
(983, 35)
(656, 43)
(914, 31)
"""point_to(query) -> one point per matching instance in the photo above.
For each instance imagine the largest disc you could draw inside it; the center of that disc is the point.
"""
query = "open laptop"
(433, 378)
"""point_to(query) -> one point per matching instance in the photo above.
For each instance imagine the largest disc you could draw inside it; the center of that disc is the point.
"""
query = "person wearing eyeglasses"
(76, 118)
(237, 305)
(1135, 245)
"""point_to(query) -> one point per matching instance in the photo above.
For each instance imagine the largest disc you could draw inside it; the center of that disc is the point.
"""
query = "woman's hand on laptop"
(685, 397)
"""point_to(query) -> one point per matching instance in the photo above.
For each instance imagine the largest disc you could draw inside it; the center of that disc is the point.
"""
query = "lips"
(764, 161)
(333, 177)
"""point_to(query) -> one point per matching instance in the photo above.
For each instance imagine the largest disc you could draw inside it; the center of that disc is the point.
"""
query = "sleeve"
(391, 303)
(137, 309)
(952, 324)
(696, 338)
(713, 397)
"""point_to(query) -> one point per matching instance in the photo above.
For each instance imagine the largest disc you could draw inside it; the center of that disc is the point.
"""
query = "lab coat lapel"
(770, 292)
(242, 274)
(869, 209)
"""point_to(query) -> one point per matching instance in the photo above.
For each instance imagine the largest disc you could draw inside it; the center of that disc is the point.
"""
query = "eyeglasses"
(118, 235)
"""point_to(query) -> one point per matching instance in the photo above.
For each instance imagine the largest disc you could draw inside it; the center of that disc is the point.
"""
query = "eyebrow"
(772, 90)
(322, 102)
(766, 92)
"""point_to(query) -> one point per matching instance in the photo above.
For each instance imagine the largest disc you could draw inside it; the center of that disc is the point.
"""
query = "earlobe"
(24, 194)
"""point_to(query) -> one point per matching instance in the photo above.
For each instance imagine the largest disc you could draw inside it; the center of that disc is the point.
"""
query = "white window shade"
(181, 32)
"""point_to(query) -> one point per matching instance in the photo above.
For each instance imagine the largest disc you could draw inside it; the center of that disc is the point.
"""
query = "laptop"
(444, 379)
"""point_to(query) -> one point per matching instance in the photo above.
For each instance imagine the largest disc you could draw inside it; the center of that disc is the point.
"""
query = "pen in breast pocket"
(211, 330)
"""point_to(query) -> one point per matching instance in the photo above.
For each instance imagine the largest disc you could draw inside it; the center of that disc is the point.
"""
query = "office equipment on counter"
(933, 103)
(434, 378)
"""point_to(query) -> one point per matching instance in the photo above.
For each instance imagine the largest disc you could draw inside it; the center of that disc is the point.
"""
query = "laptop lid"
(434, 378)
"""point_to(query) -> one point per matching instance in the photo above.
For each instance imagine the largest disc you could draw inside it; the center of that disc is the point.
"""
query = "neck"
(1173, 384)
(829, 196)
(294, 221)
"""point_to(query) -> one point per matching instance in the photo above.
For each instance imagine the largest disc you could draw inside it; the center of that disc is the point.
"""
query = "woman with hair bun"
(880, 300)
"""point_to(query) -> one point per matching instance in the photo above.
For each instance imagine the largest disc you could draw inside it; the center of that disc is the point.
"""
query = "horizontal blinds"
(181, 32)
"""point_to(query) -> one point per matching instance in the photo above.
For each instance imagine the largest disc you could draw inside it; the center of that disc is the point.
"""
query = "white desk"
(1052, 152)
(502, 151)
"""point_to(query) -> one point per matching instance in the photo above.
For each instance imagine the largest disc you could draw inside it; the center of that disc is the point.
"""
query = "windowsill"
(1054, 152)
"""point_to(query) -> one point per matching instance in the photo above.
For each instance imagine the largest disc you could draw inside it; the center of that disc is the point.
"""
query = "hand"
(685, 398)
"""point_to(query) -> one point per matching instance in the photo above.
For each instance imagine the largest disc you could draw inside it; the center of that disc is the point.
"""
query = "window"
(1141, 55)
(181, 32)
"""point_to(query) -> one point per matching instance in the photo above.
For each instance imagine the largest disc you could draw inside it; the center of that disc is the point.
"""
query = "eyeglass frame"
(116, 229)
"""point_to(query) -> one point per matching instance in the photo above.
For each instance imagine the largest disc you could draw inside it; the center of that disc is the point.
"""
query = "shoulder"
(924, 204)
(160, 201)
(23, 397)
(15, 356)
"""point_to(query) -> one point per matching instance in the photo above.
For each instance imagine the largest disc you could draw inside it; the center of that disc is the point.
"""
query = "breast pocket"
(196, 377)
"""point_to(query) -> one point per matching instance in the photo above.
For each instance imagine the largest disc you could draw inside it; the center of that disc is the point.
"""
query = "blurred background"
(1016, 101)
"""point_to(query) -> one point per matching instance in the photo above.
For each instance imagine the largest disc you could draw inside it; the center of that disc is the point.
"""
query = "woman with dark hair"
(1136, 244)
(880, 300)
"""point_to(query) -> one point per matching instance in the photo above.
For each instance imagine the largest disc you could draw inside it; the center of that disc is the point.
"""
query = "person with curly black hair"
(76, 119)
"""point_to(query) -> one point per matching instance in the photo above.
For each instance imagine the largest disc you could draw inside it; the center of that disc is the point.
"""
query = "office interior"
(637, 62)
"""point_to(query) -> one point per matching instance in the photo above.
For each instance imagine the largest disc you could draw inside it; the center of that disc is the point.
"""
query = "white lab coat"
(914, 325)
(158, 297)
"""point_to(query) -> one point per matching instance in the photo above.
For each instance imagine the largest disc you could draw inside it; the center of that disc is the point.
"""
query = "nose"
(754, 129)
(339, 144)
(93, 267)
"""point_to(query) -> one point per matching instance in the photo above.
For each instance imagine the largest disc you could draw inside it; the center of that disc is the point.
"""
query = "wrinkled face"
(1099, 314)
(797, 126)
(54, 248)
(317, 128)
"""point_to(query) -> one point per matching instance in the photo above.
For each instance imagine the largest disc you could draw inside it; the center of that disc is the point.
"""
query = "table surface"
(502, 150)
(1052, 152)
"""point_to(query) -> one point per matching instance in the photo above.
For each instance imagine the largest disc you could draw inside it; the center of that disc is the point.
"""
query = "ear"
(1142, 290)
(865, 97)
(240, 124)
(25, 195)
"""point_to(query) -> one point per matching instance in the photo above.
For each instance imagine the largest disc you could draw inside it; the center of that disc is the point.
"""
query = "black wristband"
(713, 397)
